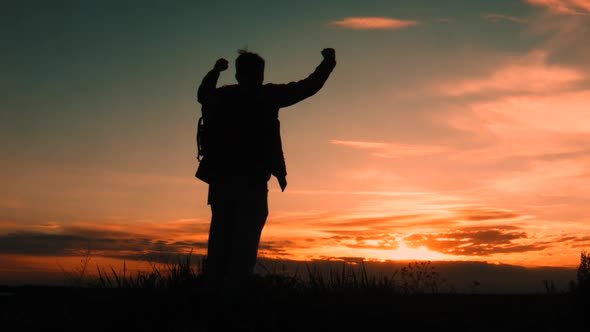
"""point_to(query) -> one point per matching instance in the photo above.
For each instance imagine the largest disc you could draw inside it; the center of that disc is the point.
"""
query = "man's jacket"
(243, 129)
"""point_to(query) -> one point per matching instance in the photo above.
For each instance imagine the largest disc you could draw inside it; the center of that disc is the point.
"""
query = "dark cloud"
(475, 241)
(486, 214)
(567, 238)
(575, 241)
(277, 246)
(582, 239)
(484, 228)
(100, 243)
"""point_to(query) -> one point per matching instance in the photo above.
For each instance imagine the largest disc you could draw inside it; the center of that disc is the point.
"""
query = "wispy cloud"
(493, 17)
(373, 23)
(564, 176)
(563, 30)
(542, 116)
(569, 7)
(444, 20)
(487, 214)
(392, 150)
(531, 109)
(361, 193)
(527, 74)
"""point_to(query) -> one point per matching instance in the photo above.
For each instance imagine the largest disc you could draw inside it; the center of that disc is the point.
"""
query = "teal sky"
(86, 79)
(466, 117)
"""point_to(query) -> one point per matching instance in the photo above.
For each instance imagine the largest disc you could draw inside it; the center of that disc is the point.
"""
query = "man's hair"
(249, 66)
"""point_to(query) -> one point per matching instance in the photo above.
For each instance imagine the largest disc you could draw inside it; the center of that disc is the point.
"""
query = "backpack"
(200, 139)
(204, 171)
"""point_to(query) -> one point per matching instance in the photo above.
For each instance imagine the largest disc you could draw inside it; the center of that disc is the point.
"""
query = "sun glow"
(404, 252)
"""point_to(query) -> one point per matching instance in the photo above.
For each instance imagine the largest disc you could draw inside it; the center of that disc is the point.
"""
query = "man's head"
(249, 68)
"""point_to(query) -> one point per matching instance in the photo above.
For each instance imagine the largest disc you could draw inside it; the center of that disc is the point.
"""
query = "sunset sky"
(449, 130)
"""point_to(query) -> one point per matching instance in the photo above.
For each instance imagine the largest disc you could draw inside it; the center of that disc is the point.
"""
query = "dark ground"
(38, 308)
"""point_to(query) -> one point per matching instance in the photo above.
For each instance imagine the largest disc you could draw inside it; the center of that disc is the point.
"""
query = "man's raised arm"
(209, 84)
(288, 94)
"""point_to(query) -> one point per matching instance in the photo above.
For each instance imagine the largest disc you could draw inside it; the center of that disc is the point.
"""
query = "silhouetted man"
(242, 150)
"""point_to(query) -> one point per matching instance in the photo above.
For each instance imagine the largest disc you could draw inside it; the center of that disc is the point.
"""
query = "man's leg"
(223, 213)
(252, 211)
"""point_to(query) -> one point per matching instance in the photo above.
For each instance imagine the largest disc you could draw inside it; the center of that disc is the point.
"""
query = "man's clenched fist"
(329, 54)
(221, 65)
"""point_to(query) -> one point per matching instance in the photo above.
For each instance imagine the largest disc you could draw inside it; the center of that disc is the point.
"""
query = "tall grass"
(162, 275)
(583, 273)
(415, 278)
(349, 277)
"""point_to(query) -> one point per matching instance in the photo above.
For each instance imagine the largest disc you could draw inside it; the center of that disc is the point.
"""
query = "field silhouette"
(345, 297)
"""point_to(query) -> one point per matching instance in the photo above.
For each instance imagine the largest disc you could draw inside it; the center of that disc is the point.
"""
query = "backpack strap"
(200, 133)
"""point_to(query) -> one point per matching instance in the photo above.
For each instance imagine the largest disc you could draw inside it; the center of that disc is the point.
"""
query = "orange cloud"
(535, 144)
(377, 230)
(561, 176)
(361, 193)
(528, 74)
(539, 144)
(440, 233)
(435, 232)
(547, 115)
(569, 7)
(392, 150)
(373, 23)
